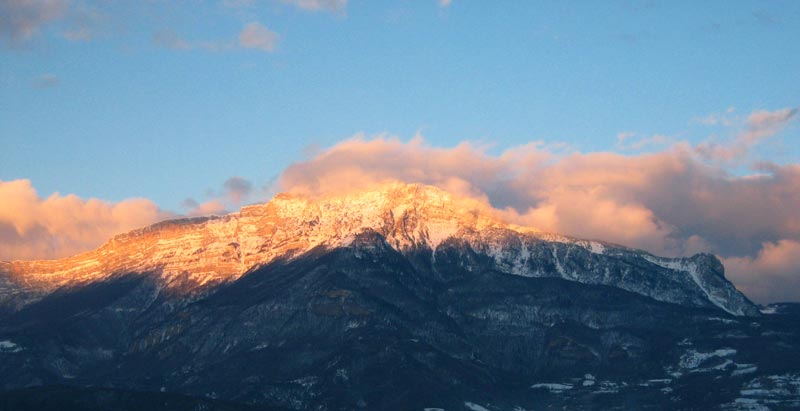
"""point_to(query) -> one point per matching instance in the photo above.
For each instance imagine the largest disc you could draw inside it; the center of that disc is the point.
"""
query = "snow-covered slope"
(193, 254)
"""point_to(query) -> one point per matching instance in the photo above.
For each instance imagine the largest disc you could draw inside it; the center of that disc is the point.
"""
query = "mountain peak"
(406, 214)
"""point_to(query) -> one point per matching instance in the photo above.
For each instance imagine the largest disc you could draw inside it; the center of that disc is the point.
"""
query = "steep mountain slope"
(367, 327)
(192, 255)
(400, 298)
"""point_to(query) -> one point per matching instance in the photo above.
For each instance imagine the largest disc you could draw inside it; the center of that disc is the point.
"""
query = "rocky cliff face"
(193, 255)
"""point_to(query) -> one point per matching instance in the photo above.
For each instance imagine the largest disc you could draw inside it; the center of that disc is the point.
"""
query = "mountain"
(194, 254)
(399, 297)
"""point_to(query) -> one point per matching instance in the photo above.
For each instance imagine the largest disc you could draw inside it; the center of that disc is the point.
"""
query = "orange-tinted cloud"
(333, 6)
(671, 202)
(206, 208)
(594, 195)
(760, 125)
(32, 227)
(772, 275)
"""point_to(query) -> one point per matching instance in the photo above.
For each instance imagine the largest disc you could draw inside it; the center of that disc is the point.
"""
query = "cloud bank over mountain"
(32, 227)
(675, 202)
(678, 201)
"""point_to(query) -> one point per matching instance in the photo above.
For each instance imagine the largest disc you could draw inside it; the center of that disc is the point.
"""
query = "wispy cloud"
(624, 136)
(258, 37)
(83, 23)
(445, 3)
(81, 33)
(252, 36)
(237, 189)
(726, 118)
(238, 3)
(171, 40)
(333, 6)
(760, 125)
(764, 17)
(20, 20)
(46, 81)
(631, 141)
(235, 192)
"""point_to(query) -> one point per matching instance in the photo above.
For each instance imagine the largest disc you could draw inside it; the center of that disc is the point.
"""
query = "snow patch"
(8, 346)
(609, 387)
(769, 310)
(682, 265)
(594, 247)
(742, 369)
(475, 407)
(782, 391)
(692, 359)
(722, 320)
(553, 386)
(306, 382)
(342, 373)
(559, 268)
(721, 367)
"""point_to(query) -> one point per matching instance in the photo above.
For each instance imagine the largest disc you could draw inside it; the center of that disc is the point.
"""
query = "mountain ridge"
(195, 254)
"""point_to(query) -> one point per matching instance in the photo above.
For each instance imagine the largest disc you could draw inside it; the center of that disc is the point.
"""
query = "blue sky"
(667, 126)
(158, 100)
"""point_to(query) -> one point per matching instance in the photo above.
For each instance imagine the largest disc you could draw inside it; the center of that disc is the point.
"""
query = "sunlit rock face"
(201, 251)
(193, 255)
